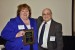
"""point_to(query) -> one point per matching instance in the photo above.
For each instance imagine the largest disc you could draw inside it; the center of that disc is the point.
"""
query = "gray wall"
(74, 18)
(61, 11)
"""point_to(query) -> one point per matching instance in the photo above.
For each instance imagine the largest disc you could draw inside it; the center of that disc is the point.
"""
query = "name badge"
(21, 27)
(52, 38)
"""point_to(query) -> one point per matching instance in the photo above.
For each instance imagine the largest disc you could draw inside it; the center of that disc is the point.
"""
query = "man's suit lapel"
(51, 29)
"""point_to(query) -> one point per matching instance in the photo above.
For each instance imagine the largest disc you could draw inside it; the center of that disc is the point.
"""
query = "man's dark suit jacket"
(55, 30)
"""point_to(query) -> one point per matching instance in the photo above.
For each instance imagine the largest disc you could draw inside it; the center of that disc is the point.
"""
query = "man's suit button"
(51, 46)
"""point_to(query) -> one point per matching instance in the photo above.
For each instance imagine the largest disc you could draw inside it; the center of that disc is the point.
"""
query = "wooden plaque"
(28, 38)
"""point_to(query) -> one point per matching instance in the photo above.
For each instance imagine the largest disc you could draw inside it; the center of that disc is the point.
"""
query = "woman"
(13, 31)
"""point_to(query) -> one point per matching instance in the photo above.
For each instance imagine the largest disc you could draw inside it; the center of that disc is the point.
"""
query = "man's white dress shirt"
(46, 32)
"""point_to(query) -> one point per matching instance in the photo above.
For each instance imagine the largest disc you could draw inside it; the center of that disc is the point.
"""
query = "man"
(49, 32)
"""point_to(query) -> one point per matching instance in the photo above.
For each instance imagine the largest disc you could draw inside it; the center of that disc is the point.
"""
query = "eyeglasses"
(46, 14)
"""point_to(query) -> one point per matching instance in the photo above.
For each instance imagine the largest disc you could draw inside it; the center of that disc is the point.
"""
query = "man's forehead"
(46, 9)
